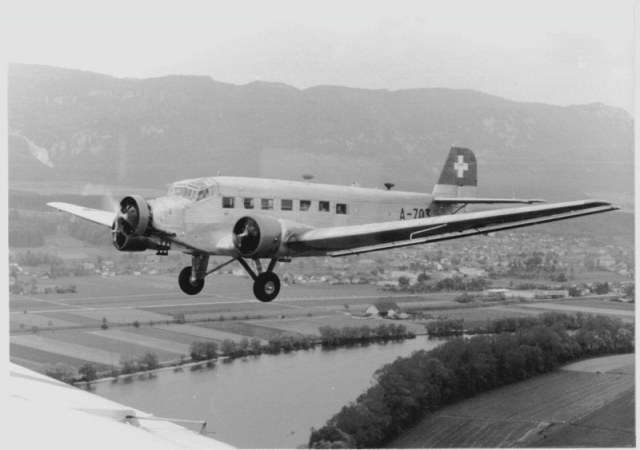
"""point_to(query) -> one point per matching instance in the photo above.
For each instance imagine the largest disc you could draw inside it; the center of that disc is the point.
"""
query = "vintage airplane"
(254, 218)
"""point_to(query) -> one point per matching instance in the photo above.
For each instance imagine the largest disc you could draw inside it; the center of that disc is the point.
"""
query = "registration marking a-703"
(414, 213)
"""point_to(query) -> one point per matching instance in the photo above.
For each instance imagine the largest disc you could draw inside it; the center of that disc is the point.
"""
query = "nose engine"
(132, 225)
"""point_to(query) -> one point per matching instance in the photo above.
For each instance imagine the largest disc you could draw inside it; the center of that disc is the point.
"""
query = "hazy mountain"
(67, 124)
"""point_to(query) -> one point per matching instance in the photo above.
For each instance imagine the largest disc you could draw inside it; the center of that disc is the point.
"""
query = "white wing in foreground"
(355, 239)
(98, 216)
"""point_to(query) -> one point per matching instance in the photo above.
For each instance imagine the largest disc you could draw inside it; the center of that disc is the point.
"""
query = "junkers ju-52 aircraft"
(252, 218)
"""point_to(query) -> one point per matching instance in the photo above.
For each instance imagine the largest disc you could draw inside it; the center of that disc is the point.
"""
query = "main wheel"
(266, 286)
(185, 282)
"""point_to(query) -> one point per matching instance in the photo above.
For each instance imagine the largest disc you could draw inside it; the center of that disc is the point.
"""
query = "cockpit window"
(177, 190)
(193, 191)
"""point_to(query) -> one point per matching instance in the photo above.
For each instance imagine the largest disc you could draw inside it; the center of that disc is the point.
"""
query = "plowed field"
(565, 408)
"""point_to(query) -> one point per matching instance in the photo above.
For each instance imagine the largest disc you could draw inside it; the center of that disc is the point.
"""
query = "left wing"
(355, 239)
(104, 218)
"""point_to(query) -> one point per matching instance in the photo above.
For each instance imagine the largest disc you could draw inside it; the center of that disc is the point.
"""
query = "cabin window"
(323, 206)
(305, 205)
(341, 208)
(249, 203)
(286, 205)
(228, 202)
(267, 203)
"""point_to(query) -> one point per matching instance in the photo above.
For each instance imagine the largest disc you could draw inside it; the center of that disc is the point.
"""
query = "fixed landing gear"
(266, 284)
(191, 279)
(185, 282)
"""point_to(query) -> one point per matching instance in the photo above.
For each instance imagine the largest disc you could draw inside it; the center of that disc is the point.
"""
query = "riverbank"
(410, 388)
(266, 402)
(330, 338)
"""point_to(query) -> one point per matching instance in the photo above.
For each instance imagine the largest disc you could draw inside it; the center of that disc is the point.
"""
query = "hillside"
(73, 125)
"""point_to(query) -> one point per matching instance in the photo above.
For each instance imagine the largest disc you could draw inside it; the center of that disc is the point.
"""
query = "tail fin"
(459, 177)
(458, 185)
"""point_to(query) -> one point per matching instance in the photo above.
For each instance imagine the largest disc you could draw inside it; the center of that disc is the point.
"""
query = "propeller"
(133, 217)
(128, 217)
(246, 234)
(132, 224)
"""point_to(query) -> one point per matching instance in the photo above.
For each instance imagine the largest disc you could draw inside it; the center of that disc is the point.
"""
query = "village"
(563, 265)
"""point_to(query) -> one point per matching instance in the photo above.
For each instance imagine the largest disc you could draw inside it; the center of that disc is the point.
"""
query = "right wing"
(477, 200)
(356, 239)
(98, 216)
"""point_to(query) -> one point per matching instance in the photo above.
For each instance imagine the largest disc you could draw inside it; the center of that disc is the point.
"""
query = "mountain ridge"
(65, 123)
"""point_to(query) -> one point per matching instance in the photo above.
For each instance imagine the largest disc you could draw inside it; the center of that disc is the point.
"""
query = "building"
(384, 308)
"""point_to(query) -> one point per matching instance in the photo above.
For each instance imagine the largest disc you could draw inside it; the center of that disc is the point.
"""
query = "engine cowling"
(257, 236)
(132, 225)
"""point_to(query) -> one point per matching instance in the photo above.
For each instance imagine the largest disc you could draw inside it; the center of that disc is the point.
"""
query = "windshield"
(195, 191)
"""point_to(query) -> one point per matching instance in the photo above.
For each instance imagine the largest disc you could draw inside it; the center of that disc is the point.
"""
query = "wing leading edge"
(356, 239)
(104, 218)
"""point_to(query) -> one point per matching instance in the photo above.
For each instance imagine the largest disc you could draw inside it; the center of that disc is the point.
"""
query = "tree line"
(210, 350)
(335, 337)
(409, 388)
(287, 342)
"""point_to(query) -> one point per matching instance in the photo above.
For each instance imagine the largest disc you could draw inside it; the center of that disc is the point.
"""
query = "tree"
(129, 365)
(149, 362)
(62, 372)
(255, 346)
(229, 347)
(602, 288)
(203, 350)
(87, 372)
(423, 277)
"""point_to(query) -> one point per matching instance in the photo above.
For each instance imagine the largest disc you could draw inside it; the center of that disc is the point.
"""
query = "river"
(270, 401)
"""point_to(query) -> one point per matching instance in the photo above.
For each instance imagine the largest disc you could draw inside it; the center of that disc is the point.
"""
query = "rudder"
(459, 176)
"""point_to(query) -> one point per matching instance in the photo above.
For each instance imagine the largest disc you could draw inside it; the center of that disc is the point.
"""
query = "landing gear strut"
(266, 284)
(191, 279)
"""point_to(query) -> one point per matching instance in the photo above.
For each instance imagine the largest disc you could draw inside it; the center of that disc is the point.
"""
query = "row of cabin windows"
(285, 204)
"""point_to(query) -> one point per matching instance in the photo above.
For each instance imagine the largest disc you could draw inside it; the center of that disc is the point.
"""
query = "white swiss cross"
(461, 166)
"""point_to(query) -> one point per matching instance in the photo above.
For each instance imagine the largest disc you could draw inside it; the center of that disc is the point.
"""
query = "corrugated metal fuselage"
(204, 224)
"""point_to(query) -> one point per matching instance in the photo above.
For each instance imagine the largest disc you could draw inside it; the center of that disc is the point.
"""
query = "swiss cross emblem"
(460, 166)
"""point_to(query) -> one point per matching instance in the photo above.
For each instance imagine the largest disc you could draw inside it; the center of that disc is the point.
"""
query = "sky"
(560, 52)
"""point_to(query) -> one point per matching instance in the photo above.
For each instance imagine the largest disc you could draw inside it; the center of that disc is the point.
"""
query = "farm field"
(129, 316)
(49, 328)
(566, 408)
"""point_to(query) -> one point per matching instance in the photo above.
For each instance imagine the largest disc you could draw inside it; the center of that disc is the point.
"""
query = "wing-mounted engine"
(257, 236)
(132, 225)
